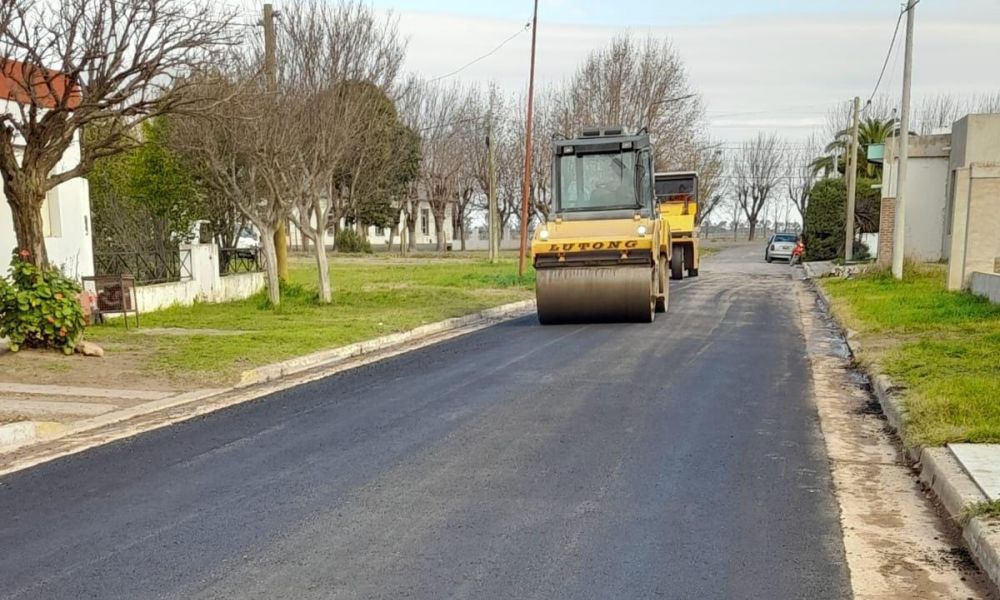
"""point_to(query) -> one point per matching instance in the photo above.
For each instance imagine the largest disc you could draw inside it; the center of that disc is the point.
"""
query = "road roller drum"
(595, 294)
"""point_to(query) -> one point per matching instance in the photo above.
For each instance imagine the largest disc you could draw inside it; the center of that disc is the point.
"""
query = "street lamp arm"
(649, 108)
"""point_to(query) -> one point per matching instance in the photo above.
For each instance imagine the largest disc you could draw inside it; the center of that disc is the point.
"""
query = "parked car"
(248, 244)
(780, 246)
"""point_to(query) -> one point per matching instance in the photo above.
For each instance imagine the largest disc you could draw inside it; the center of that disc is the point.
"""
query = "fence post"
(204, 263)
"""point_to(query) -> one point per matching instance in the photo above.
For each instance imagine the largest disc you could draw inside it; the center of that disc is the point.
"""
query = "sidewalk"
(981, 462)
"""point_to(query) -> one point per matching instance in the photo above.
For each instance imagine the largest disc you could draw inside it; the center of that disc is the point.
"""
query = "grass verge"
(944, 347)
(989, 509)
(371, 298)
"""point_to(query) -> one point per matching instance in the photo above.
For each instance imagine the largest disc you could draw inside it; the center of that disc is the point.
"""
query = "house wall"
(67, 215)
(975, 138)
(976, 217)
(925, 198)
(974, 198)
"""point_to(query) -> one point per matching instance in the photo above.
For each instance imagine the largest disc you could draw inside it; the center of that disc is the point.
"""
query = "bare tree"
(339, 59)
(942, 110)
(77, 63)
(636, 84)
(441, 115)
(757, 170)
(243, 150)
(707, 161)
(840, 118)
(801, 176)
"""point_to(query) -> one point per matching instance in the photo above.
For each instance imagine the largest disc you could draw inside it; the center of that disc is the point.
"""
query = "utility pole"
(852, 184)
(271, 79)
(898, 230)
(526, 183)
(492, 219)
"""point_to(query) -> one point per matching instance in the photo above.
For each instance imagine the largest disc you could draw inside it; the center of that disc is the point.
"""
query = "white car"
(780, 246)
(247, 245)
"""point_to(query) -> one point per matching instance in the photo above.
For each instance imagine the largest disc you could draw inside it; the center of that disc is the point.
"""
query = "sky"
(760, 65)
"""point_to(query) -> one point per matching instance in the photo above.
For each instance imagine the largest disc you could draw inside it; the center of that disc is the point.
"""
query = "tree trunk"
(26, 208)
(411, 242)
(392, 238)
(280, 239)
(271, 267)
(753, 230)
(323, 268)
(439, 229)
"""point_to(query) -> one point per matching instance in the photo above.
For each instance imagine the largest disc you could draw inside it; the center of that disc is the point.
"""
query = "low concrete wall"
(239, 287)
(986, 285)
(204, 285)
(186, 293)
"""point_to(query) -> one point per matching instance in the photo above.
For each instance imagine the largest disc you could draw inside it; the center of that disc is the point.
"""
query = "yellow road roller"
(601, 256)
(677, 197)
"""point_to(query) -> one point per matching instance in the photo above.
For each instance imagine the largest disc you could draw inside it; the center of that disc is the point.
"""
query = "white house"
(426, 229)
(65, 213)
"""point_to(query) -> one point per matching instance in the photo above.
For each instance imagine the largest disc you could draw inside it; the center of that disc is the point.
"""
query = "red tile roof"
(48, 89)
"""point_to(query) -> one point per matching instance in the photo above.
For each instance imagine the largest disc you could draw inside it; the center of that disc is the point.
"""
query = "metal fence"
(146, 267)
(239, 260)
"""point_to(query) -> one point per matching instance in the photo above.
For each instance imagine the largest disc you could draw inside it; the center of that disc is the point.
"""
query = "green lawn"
(943, 346)
(372, 296)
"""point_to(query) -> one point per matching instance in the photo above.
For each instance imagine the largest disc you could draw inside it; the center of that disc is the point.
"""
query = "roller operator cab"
(600, 256)
(677, 196)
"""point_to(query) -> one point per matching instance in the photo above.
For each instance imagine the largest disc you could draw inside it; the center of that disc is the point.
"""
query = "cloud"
(780, 73)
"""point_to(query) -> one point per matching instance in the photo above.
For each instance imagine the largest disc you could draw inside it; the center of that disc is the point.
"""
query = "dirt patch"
(121, 367)
(6, 419)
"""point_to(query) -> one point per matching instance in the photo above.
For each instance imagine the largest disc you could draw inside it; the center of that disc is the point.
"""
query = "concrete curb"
(328, 359)
(983, 539)
(940, 471)
(817, 269)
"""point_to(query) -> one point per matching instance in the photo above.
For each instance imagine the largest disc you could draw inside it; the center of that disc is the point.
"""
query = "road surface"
(520, 461)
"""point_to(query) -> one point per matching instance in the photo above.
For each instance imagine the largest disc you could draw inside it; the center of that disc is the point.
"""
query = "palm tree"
(870, 131)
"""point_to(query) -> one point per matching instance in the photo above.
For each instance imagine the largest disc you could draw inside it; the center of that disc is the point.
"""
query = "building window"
(51, 222)
(425, 221)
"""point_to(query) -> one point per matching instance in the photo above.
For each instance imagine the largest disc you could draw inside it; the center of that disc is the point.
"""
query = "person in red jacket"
(798, 252)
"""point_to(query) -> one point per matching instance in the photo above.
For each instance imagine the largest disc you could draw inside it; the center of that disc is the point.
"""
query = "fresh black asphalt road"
(681, 459)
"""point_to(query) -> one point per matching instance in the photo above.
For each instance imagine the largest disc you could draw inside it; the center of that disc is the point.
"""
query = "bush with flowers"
(39, 308)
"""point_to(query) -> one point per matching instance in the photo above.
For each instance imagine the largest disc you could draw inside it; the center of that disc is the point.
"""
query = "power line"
(526, 27)
(888, 54)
